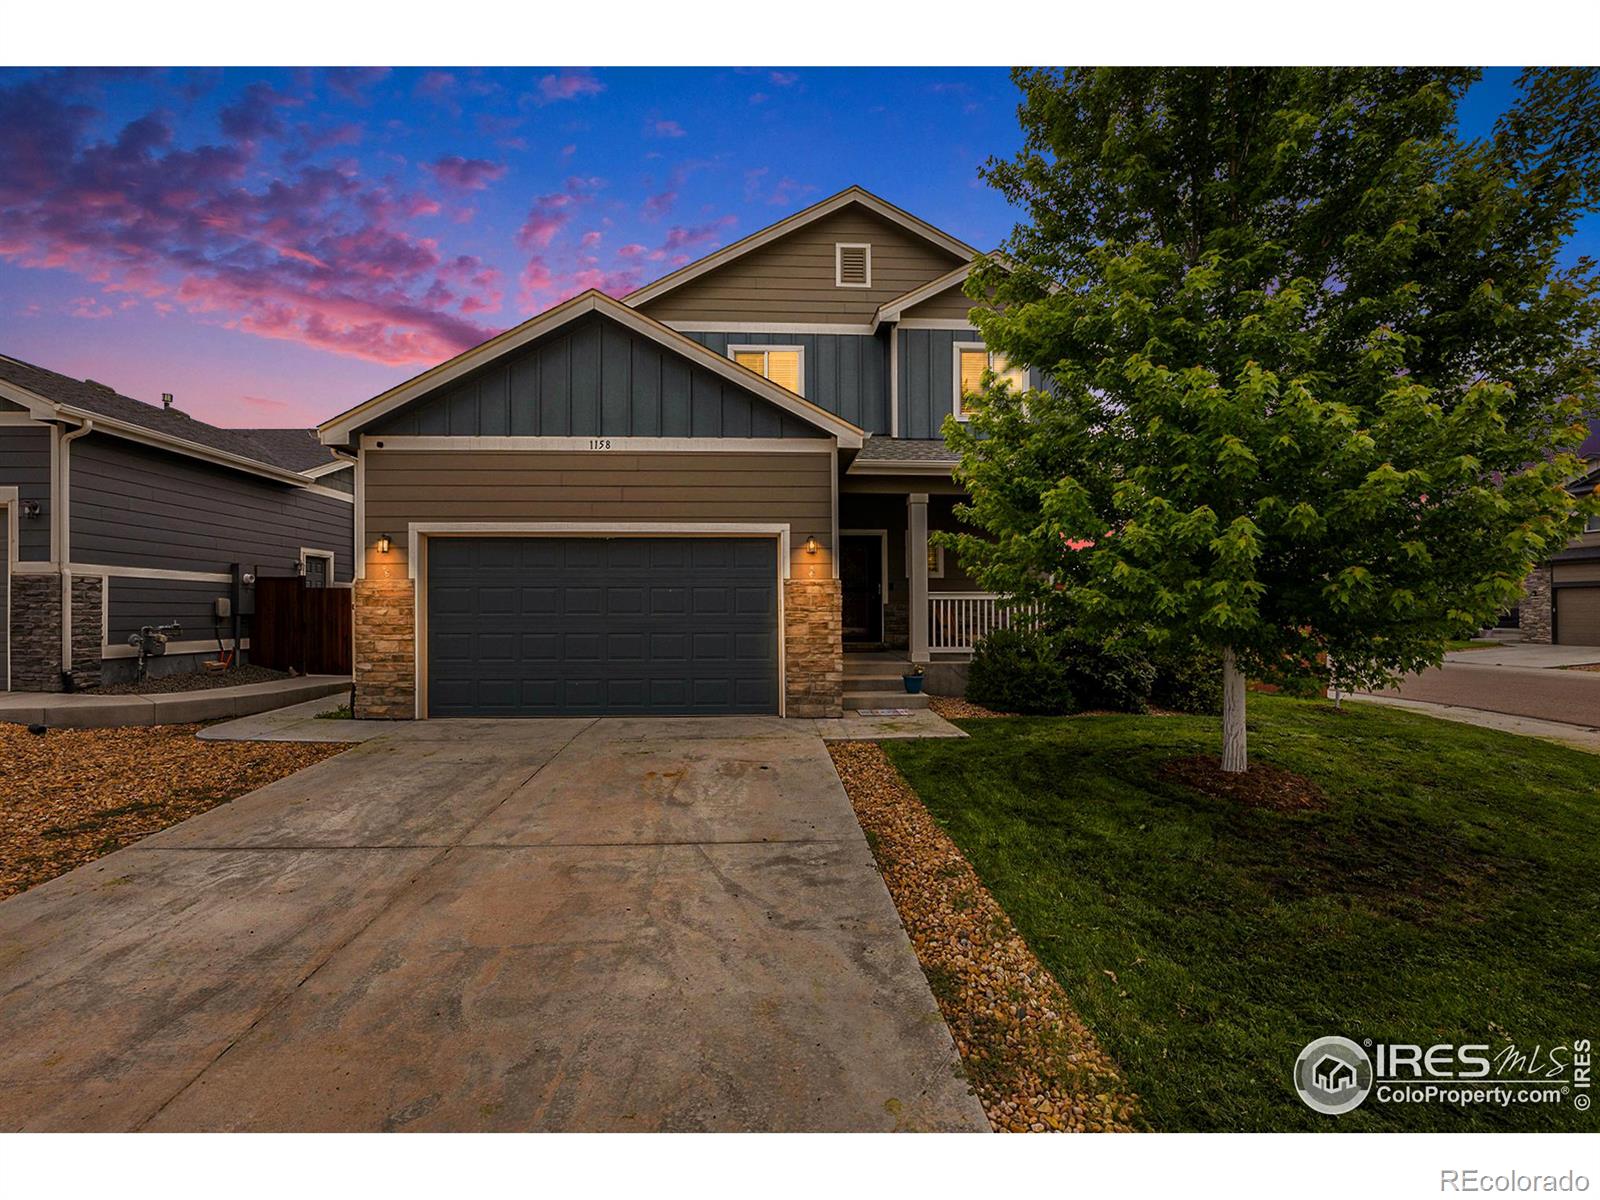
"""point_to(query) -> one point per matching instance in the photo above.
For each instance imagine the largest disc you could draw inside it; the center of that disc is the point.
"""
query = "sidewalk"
(1577, 737)
(85, 710)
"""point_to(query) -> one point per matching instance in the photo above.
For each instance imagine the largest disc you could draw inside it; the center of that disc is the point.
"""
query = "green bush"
(1117, 679)
(1020, 671)
(1188, 681)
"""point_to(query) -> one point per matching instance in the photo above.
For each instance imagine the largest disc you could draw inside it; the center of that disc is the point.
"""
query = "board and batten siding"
(134, 506)
(593, 378)
(927, 378)
(845, 373)
(792, 278)
(25, 465)
(406, 486)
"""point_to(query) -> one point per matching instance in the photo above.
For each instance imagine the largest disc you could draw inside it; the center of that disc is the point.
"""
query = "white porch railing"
(960, 620)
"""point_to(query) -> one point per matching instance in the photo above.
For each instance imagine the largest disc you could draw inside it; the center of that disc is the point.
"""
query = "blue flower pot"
(913, 683)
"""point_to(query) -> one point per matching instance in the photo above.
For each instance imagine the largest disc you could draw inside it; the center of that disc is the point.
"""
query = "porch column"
(917, 569)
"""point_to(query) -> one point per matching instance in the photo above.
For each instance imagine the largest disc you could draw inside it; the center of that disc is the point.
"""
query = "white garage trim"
(418, 533)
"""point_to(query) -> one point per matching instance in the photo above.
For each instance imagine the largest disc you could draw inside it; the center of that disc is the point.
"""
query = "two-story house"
(711, 496)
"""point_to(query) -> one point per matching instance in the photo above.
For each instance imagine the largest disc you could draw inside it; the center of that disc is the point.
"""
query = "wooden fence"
(301, 628)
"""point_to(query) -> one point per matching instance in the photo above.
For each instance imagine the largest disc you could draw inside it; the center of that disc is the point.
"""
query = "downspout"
(64, 543)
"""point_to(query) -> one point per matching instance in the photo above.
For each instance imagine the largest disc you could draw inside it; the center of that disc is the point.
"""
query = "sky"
(275, 246)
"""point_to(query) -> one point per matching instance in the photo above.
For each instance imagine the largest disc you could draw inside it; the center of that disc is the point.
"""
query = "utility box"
(222, 608)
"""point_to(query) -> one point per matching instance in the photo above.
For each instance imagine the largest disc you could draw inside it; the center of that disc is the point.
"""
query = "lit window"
(972, 360)
(784, 365)
(935, 562)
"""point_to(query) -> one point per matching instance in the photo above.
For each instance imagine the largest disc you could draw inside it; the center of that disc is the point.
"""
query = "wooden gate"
(302, 628)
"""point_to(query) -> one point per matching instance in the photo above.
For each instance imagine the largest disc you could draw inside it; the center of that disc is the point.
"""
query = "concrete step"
(874, 669)
(899, 698)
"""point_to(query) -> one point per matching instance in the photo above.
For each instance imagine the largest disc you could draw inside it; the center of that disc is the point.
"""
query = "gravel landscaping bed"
(1034, 1065)
(191, 681)
(73, 795)
(954, 708)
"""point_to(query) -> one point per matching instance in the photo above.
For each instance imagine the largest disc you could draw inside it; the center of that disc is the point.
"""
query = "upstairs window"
(972, 360)
(852, 264)
(784, 365)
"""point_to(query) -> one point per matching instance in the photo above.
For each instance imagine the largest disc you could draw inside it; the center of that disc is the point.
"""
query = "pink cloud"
(591, 238)
(89, 308)
(352, 82)
(659, 205)
(318, 254)
(783, 78)
(568, 85)
(668, 129)
(631, 250)
(551, 212)
(264, 404)
(468, 174)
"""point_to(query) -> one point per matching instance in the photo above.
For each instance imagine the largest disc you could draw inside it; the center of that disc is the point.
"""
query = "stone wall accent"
(1533, 614)
(383, 612)
(897, 624)
(87, 599)
(813, 646)
(36, 633)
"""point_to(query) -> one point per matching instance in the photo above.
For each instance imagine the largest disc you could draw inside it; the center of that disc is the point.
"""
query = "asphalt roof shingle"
(879, 449)
(287, 449)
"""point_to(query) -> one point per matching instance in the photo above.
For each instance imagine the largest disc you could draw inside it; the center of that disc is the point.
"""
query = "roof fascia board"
(851, 195)
(342, 428)
(890, 310)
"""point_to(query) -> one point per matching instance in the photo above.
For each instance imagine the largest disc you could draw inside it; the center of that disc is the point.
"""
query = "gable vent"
(853, 264)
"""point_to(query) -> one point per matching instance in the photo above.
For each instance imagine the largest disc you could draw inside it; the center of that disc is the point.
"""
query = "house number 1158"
(599, 443)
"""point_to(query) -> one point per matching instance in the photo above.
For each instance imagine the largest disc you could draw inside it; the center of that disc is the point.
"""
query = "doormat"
(883, 712)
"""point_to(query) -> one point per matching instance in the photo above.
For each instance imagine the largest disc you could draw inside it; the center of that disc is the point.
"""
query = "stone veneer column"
(383, 614)
(813, 648)
(36, 633)
(1533, 614)
(87, 599)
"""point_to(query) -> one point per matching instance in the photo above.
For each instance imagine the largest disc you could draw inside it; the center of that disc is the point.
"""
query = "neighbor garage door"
(1577, 616)
(528, 627)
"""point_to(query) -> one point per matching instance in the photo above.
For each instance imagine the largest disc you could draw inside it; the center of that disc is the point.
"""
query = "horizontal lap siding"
(25, 465)
(845, 373)
(952, 304)
(133, 506)
(405, 486)
(792, 278)
(136, 602)
(594, 378)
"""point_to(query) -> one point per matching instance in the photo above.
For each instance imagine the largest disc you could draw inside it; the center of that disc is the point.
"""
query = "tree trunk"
(1233, 736)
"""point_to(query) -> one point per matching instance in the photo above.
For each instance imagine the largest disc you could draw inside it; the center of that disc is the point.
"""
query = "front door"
(861, 579)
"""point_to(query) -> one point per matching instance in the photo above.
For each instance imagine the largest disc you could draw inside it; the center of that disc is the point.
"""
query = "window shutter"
(854, 268)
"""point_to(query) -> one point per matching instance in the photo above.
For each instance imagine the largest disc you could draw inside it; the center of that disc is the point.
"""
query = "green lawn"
(1450, 892)
(1471, 644)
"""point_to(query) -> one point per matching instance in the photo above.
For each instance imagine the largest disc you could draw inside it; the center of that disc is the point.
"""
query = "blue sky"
(276, 245)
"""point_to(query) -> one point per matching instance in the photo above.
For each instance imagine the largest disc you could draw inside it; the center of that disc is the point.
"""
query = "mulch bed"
(191, 681)
(1034, 1065)
(1262, 786)
(70, 796)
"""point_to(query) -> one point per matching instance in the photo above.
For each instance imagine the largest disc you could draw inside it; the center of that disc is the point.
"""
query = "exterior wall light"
(383, 543)
(30, 509)
(811, 546)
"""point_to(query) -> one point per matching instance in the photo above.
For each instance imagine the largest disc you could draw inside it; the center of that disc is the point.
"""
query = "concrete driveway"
(486, 925)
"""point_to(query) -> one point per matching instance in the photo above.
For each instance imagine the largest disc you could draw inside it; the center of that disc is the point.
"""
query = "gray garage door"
(530, 627)
(1578, 616)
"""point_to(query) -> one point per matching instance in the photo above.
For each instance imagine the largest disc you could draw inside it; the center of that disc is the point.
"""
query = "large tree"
(1315, 372)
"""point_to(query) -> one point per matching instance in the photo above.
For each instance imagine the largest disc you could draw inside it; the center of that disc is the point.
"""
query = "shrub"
(1188, 681)
(1113, 678)
(1020, 671)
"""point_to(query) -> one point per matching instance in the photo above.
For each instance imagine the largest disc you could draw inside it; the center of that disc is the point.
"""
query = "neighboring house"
(1561, 601)
(696, 499)
(164, 515)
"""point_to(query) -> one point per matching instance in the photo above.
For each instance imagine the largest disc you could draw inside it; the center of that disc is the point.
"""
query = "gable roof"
(343, 428)
(282, 454)
(850, 195)
(891, 310)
